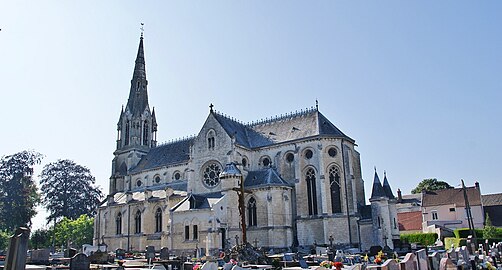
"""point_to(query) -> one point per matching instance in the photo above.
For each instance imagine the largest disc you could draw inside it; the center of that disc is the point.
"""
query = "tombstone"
(356, 266)
(40, 256)
(164, 253)
(409, 262)
(209, 266)
(452, 255)
(463, 253)
(374, 250)
(423, 261)
(339, 256)
(80, 262)
(435, 260)
(120, 253)
(150, 253)
(98, 257)
(303, 263)
(390, 265)
(447, 264)
(16, 253)
(72, 252)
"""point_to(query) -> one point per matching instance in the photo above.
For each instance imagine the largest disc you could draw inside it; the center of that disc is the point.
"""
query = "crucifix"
(211, 107)
(331, 241)
(255, 242)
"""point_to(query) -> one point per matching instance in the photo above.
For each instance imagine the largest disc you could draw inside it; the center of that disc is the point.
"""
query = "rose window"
(212, 174)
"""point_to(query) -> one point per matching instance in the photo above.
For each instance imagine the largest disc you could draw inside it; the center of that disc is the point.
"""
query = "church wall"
(310, 231)
(201, 154)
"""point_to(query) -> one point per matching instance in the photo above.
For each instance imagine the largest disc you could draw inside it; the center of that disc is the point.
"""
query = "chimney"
(477, 185)
(399, 196)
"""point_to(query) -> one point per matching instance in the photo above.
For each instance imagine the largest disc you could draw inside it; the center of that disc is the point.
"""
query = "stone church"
(301, 176)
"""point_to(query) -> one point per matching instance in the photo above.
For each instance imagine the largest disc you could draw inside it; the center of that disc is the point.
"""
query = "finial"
(384, 173)
(211, 107)
(375, 169)
(316, 104)
(142, 29)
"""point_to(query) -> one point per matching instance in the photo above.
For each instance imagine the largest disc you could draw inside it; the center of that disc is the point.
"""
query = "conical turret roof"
(377, 190)
(386, 187)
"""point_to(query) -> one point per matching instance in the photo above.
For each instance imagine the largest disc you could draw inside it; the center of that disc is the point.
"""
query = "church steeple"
(137, 124)
(136, 128)
(138, 95)
(386, 187)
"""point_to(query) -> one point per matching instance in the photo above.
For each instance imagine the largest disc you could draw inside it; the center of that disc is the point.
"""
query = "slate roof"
(492, 199)
(164, 155)
(244, 135)
(386, 188)
(201, 201)
(451, 196)
(303, 124)
(377, 190)
(158, 191)
(365, 211)
(264, 177)
(138, 100)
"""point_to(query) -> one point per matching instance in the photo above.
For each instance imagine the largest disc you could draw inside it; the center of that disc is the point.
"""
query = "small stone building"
(301, 175)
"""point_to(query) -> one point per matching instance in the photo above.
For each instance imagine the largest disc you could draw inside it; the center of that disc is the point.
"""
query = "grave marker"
(80, 262)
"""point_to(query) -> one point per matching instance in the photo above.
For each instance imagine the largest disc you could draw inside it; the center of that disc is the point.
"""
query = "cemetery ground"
(471, 256)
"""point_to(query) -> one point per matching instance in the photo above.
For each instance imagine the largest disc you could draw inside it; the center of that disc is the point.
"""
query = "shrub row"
(465, 232)
(425, 239)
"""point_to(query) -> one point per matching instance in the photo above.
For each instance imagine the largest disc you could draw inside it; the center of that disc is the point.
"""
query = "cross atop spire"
(142, 29)
(211, 107)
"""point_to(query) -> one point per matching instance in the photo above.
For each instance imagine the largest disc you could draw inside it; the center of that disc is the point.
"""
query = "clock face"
(211, 174)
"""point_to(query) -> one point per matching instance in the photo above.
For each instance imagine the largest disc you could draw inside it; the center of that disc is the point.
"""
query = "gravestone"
(452, 255)
(423, 261)
(447, 264)
(150, 253)
(120, 253)
(80, 262)
(40, 256)
(16, 253)
(303, 263)
(409, 262)
(374, 250)
(164, 253)
(98, 257)
(390, 265)
(356, 266)
(72, 252)
(209, 266)
(435, 260)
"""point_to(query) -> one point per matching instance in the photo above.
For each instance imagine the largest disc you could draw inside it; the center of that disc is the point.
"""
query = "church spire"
(138, 95)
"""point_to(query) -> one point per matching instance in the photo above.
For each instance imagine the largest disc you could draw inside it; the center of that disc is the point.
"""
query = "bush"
(4, 239)
(425, 239)
(457, 242)
(465, 232)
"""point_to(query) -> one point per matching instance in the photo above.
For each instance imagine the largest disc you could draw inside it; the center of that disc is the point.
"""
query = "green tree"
(4, 240)
(41, 238)
(68, 190)
(18, 192)
(430, 184)
(489, 231)
(76, 232)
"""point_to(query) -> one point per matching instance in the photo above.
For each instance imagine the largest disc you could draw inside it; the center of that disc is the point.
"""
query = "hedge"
(465, 232)
(425, 239)
(457, 242)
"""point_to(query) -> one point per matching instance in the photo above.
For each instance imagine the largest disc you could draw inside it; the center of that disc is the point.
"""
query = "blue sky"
(416, 83)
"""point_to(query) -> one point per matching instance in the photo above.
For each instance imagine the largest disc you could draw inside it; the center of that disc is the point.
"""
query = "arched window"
(145, 133)
(252, 212)
(210, 140)
(137, 222)
(334, 184)
(118, 224)
(158, 220)
(127, 133)
(311, 191)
